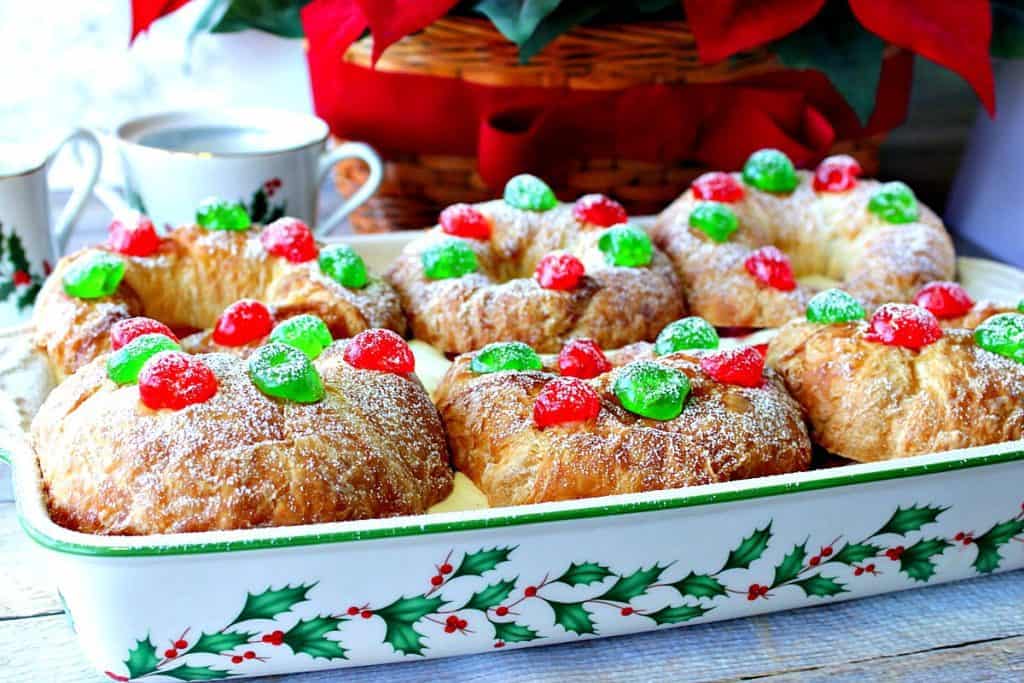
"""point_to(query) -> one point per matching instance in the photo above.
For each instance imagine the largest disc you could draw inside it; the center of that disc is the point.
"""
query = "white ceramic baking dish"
(269, 601)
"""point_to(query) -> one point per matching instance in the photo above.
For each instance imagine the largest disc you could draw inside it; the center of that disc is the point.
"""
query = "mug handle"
(76, 202)
(349, 150)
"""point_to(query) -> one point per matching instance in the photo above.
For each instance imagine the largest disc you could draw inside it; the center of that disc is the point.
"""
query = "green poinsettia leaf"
(517, 19)
(513, 633)
(916, 561)
(16, 253)
(903, 521)
(142, 658)
(634, 585)
(28, 296)
(566, 17)
(279, 17)
(573, 617)
(851, 553)
(401, 615)
(270, 603)
(491, 596)
(186, 672)
(1007, 29)
(475, 564)
(218, 643)
(749, 550)
(677, 615)
(988, 544)
(836, 44)
(700, 586)
(791, 565)
(6, 289)
(584, 574)
(819, 586)
(308, 637)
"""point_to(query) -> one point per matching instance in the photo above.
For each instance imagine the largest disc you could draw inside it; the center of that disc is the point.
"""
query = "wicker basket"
(417, 187)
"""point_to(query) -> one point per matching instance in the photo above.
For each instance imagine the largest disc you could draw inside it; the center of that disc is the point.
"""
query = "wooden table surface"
(971, 630)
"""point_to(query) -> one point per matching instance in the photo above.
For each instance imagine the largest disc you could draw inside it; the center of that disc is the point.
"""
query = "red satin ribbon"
(516, 129)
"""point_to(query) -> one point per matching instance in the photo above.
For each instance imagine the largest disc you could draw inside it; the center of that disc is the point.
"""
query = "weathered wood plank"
(21, 594)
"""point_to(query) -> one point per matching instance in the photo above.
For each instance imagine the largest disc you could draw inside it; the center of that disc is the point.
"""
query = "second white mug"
(272, 161)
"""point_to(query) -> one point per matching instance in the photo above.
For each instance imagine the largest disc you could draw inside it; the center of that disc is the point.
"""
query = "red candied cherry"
(237, 659)
(530, 591)
(436, 580)
(944, 299)
(132, 235)
(124, 331)
(626, 611)
(446, 568)
(242, 322)
(565, 399)
(291, 239)
(559, 270)
(366, 614)
(353, 610)
(181, 644)
(837, 173)
(742, 366)
(582, 358)
(717, 187)
(772, 268)
(174, 380)
(380, 349)
(597, 209)
(906, 325)
(249, 654)
(170, 653)
(501, 610)
(464, 220)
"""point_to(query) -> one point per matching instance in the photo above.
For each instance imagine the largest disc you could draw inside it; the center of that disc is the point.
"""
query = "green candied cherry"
(505, 356)
(652, 390)
(529, 193)
(626, 245)
(342, 264)
(894, 203)
(218, 214)
(714, 219)
(307, 333)
(770, 170)
(1002, 334)
(283, 371)
(449, 259)
(94, 276)
(123, 365)
(834, 306)
(688, 333)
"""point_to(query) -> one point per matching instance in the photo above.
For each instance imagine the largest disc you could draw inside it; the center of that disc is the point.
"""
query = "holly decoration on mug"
(18, 282)
(262, 208)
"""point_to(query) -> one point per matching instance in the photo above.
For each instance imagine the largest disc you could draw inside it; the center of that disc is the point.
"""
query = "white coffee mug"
(28, 246)
(273, 161)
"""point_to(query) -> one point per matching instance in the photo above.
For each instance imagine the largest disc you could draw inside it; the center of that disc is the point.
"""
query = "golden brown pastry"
(866, 400)
(520, 277)
(724, 235)
(723, 432)
(188, 281)
(373, 446)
